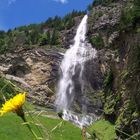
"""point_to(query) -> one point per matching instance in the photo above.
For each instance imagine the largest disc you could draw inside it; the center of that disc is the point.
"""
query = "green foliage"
(108, 81)
(2, 34)
(124, 75)
(55, 39)
(69, 21)
(130, 15)
(45, 39)
(97, 41)
(135, 62)
(63, 23)
(134, 74)
(98, 14)
(127, 115)
(34, 36)
(55, 22)
(2, 46)
(7, 89)
(102, 130)
(127, 17)
(109, 106)
(3, 42)
(110, 99)
(103, 2)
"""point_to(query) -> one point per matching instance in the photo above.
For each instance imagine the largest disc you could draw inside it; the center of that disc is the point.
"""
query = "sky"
(15, 13)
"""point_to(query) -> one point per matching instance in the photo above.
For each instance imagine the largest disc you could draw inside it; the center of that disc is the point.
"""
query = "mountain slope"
(114, 31)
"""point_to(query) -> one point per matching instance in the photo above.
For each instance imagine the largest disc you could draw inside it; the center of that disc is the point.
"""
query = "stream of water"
(73, 66)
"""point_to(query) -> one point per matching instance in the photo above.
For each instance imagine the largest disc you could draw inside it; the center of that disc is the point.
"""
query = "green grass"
(63, 131)
(11, 128)
(103, 130)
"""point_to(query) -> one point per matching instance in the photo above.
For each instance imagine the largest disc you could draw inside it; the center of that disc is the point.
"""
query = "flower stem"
(29, 127)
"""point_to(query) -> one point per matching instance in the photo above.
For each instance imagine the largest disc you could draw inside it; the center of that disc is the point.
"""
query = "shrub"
(97, 41)
(130, 15)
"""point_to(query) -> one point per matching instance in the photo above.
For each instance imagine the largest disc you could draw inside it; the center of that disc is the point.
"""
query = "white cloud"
(11, 2)
(62, 1)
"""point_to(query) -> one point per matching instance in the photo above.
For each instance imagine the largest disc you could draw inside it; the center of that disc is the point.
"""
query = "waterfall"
(72, 68)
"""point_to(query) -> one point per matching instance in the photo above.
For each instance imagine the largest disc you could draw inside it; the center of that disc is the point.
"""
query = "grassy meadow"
(12, 128)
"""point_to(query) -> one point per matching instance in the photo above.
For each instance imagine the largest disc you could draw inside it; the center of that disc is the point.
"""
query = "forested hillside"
(50, 33)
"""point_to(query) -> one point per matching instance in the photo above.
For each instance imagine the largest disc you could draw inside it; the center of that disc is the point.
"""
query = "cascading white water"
(74, 60)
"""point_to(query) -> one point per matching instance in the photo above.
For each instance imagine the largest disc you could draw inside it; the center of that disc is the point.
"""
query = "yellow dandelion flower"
(14, 104)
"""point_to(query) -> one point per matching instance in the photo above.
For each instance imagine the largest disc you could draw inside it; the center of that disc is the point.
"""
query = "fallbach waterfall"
(72, 68)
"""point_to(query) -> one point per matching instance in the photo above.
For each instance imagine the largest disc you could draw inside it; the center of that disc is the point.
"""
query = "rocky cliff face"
(114, 31)
(34, 70)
